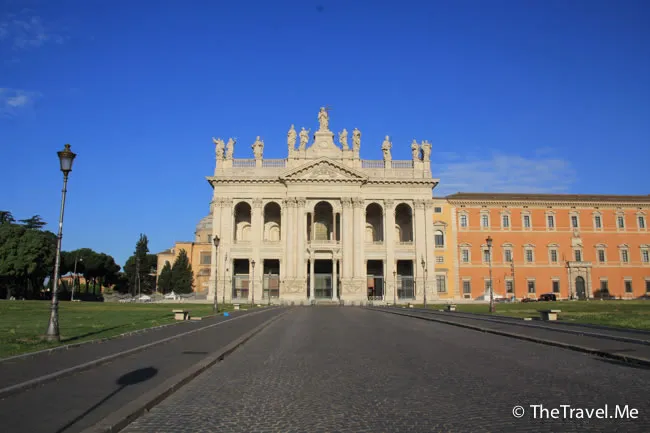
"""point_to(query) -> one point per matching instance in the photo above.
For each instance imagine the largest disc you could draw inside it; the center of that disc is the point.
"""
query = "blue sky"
(538, 96)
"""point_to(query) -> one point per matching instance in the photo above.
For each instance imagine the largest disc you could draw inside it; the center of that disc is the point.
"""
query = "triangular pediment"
(324, 169)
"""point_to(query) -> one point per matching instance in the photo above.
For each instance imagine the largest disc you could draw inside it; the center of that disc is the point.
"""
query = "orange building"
(575, 246)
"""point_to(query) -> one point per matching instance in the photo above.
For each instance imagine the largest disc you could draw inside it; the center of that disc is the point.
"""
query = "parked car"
(528, 300)
(545, 297)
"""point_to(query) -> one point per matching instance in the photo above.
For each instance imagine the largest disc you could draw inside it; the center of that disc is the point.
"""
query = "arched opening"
(439, 238)
(404, 223)
(374, 223)
(323, 226)
(272, 222)
(242, 230)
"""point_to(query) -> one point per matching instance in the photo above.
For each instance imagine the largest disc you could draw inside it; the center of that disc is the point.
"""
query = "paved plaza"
(330, 369)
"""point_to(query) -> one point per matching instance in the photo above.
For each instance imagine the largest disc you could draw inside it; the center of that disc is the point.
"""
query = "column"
(358, 270)
(290, 233)
(334, 279)
(420, 247)
(389, 245)
(215, 209)
(312, 280)
(257, 224)
(300, 241)
(227, 221)
(346, 238)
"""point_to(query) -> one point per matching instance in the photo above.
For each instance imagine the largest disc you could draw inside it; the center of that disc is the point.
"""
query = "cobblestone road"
(356, 370)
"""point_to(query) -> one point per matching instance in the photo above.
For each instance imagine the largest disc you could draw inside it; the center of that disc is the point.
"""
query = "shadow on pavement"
(131, 378)
(624, 364)
(88, 334)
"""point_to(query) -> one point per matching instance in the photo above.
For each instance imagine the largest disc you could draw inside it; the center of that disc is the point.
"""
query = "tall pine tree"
(182, 275)
(141, 264)
(165, 279)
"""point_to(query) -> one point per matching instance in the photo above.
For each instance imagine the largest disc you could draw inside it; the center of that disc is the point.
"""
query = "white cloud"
(500, 172)
(12, 100)
(23, 31)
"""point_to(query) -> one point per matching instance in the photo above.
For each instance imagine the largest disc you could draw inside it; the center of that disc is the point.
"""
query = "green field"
(623, 314)
(22, 323)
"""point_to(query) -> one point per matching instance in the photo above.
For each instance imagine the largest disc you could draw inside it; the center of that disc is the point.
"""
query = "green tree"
(141, 264)
(35, 222)
(165, 278)
(6, 217)
(182, 275)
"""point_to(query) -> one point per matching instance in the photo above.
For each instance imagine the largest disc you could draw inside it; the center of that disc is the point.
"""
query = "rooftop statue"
(304, 138)
(291, 139)
(343, 139)
(385, 148)
(258, 148)
(426, 150)
(323, 119)
(356, 140)
(415, 150)
(220, 146)
(230, 148)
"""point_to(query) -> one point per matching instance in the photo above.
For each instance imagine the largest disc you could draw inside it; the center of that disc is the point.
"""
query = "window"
(526, 221)
(439, 239)
(601, 256)
(467, 287)
(628, 286)
(621, 221)
(598, 222)
(531, 286)
(604, 286)
(556, 286)
(464, 255)
(574, 221)
(553, 255)
(505, 221)
(647, 286)
(645, 256)
(437, 209)
(550, 221)
(641, 220)
(440, 259)
(206, 258)
(488, 285)
(463, 221)
(578, 255)
(509, 286)
(486, 255)
(507, 255)
(529, 256)
(625, 256)
(485, 221)
(209, 239)
(441, 282)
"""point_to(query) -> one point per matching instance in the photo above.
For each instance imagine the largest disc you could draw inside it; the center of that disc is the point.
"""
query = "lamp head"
(66, 157)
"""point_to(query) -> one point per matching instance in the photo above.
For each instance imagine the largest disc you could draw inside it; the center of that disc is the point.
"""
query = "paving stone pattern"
(356, 370)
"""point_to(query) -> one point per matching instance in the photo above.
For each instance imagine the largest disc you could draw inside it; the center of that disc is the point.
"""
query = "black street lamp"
(489, 245)
(66, 157)
(424, 275)
(216, 241)
(253, 283)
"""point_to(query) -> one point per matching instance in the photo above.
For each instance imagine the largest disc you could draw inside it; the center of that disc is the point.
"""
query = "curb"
(552, 328)
(589, 350)
(14, 389)
(124, 416)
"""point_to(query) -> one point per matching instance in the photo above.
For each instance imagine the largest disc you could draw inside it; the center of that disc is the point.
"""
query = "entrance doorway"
(375, 276)
(581, 293)
(271, 281)
(323, 287)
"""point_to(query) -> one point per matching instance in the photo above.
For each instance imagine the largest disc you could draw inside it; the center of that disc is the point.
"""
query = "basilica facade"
(322, 225)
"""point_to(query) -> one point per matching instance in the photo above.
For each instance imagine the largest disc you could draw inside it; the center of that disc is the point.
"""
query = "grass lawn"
(622, 314)
(22, 323)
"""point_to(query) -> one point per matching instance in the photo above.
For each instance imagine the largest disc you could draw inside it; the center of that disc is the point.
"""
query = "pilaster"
(257, 223)
(358, 228)
(301, 246)
(430, 252)
(289, 249)
(420, 249)
(389, 244)
(348, 242)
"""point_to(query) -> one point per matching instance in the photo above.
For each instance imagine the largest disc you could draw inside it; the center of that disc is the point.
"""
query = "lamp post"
(489, 245)
(66, 157)
(253, 283)
(74, 278)
(395, 289)
(216, 241)
(424, 272)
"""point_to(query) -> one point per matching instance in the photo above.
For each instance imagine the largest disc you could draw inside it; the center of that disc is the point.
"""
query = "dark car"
(545, 297)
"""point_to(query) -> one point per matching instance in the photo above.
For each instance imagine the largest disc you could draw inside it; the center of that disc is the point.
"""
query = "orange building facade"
(575, 246)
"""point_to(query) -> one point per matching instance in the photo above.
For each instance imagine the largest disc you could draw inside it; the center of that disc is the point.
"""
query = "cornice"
(559, 204)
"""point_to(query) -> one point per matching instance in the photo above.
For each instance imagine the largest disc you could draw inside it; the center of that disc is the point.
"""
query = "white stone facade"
(323, 224)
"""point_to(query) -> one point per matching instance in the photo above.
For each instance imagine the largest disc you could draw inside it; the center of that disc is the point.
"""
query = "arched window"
(439, 239)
